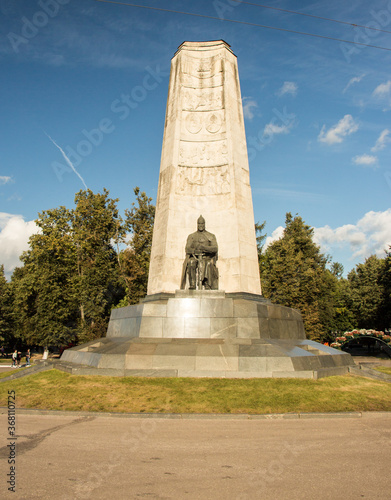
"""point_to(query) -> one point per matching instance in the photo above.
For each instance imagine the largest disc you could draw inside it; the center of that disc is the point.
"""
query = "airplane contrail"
(67, 159)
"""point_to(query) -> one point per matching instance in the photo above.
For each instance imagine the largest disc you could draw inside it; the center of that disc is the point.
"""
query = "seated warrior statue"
(201, 256)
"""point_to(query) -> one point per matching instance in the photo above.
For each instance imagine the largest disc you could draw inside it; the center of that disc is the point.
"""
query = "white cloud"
(14, 197)
(248, 104)
(5, 179)
(287, 88)
(383, 92)
(371, 235)
(352, 81)
(14, 235)
(271, 129)
(383, 89)
(364, 159)
(336, 133)
(276, 235)
(382, 141)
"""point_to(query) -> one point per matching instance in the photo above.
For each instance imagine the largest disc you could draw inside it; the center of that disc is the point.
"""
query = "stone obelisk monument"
(204, 170)
(204, 315)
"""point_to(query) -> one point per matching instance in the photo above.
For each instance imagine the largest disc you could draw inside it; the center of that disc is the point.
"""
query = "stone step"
(36, 368)
(370, 373)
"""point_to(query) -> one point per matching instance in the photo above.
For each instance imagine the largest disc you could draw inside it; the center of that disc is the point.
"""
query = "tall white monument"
(178, 330)
(204, 170)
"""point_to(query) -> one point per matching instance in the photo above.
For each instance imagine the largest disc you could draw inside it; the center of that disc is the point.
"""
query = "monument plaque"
(204, 315)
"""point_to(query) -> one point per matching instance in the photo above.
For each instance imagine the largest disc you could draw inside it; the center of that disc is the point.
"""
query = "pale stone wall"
(204, 170)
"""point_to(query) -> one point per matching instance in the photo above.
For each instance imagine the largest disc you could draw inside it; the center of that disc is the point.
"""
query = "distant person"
(28, 356)
(14, 358)
(19, 358)
(2, 350)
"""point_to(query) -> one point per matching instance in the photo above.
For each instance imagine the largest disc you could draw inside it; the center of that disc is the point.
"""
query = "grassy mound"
(56, 390)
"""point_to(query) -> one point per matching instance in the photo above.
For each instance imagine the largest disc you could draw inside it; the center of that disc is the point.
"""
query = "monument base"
(207, 334)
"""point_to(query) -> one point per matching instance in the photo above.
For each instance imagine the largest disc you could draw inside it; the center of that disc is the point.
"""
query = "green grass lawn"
(384, 369)
(56, 390)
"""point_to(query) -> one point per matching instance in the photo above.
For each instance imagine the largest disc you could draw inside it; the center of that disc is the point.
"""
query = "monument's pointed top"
(204, 46)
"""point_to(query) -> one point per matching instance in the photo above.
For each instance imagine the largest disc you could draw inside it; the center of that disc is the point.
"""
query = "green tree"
(6, 317)
(337, 269)
(342, 318)
(70, 278)
(367, 293)
(44, 304)
(295, 275)
(135, 259)
(385, 280)
(260, 237)
(96, 228)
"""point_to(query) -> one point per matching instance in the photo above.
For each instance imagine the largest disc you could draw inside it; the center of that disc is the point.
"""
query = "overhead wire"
(355, 25)
(245, 23)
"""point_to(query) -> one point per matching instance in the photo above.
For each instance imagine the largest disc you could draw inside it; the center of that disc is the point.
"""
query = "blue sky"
(91, 78)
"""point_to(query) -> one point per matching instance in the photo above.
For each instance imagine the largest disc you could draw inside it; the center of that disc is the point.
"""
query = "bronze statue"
(200, 263)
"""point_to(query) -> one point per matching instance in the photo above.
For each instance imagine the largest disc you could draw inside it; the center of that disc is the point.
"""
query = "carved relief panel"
(207, 124)
(203, 154)
(202, 99)
(203, 181)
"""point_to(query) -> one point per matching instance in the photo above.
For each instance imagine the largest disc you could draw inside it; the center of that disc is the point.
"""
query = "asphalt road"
(91, 457)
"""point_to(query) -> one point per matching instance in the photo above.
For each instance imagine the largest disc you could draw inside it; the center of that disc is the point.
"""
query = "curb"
(362, 371)
(199, 416)
(35, 368)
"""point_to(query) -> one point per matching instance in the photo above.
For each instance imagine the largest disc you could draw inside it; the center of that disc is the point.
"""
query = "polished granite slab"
(201, 334)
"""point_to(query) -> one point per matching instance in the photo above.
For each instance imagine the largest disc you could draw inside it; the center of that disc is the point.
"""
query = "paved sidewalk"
(79, 457)
(372, 360)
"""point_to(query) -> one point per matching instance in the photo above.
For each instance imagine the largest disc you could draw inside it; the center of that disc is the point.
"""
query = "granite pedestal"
(208, 334)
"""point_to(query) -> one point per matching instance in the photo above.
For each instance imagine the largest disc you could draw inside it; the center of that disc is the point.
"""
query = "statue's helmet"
(200, 220)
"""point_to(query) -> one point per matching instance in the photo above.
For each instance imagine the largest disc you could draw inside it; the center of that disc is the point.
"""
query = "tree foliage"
(294, 274)
(70, 279)
(260, 238)
(135, 259)
(6, 316)
(385, 280)
(368, 297)
(41, 287)
(74, 272)
(96, 228)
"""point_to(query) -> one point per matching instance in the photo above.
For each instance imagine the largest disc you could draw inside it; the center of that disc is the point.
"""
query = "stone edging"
(187, 416)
